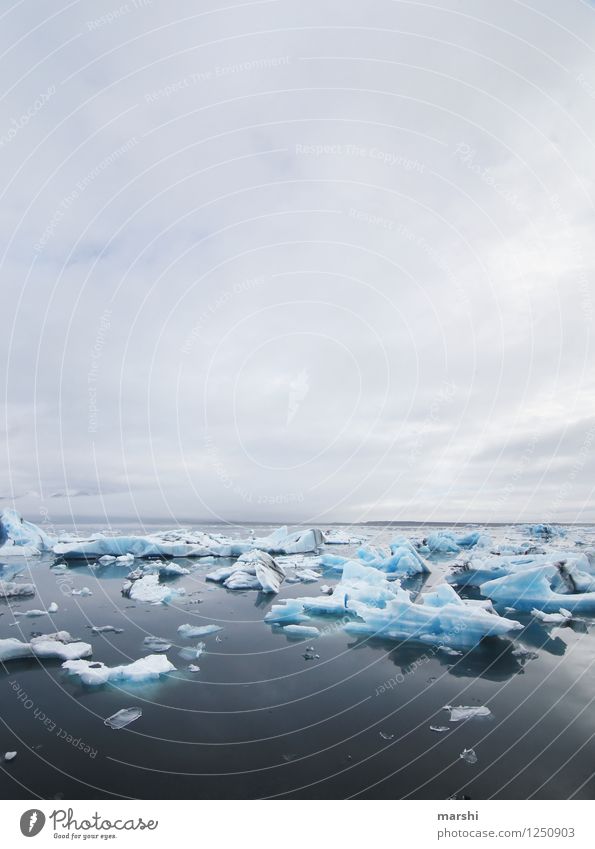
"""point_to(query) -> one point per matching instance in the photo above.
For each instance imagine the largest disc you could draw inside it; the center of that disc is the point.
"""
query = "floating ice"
(193, 653)
(10, 589)
(94, 674)
(184, 543)
(123, 717)
(543, 531)
(533, 589)
(305, 631)
(10, 756)
(469, 756)
(253, 570)
(574, 569)
(59, 645)
(457, 714)
(31, 613)
(53, 608)
(150, 590)
(552, 618)
(439, 729)
(379, 607)
(193, 668)
(85, 591)
(402, 559)
(343, 538)
(188, 631)
(105, 629)
(156, 644)
(18, 537)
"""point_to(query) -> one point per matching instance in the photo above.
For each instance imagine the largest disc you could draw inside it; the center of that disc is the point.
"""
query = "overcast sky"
(302, 261)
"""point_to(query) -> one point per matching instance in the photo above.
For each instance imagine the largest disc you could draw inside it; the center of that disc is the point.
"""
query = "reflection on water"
(261, 719)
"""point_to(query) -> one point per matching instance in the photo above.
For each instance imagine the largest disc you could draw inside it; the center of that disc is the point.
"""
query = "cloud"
(283, 261)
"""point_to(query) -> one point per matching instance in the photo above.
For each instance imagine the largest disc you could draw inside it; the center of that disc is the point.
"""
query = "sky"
(291, 261)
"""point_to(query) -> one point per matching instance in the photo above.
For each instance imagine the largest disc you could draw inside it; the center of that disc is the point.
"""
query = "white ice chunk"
(59, 645)
(10, 756)
(150, 590)
(552, 618)
(146, 669)
(11, 589)
(156, 644)
(84, 592)
(457, 714)
(188, 631)
(304, 631)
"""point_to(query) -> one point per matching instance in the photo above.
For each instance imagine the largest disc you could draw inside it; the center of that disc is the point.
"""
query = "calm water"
(260, 720)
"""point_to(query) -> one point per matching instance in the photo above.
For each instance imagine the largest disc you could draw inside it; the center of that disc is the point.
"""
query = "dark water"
(259, 720)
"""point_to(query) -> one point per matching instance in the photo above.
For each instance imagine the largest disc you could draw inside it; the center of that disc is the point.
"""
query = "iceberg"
(401, 560)
(372, 605)
(59, 645)
(123, 717)
(184, 543)
(21, 538)
(544, 531)
(446, 542)
(253, 570)
(147, 668)
(477, 571)
(10, 589)
(538, 588)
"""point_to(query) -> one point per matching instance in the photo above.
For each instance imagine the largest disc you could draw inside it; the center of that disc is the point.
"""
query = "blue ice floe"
(547, 588)
(371, 605)
(401, 560)
(185, 543)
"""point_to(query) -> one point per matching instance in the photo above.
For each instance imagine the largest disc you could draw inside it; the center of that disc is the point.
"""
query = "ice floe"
(469, 756)
(59, 645)
(336, 537)
(552, 618)
(307, 632)
(149, 589)
(375, 606)
(156, 644)
(540, 588)
(184, 543)
(189, 631)
(458, 714)
(12, 589)
(145, 669)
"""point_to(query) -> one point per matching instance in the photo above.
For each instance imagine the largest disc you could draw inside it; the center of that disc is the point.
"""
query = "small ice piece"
(193, 668)
(193, 653)
(156, 644)
(123, 717)
(304, 631)
(147, 668)
(125, 558)
(105, 629)
(307, 576)
(10, 756)
(10, 589)
(469, 756)
(309, 654)
(107, 558)
(326, 589)
(386, 736)
(85, 591)
(449, 651)
(439, 729)
(53, 608)
(189, 631)
(461, 712)
(552, 618)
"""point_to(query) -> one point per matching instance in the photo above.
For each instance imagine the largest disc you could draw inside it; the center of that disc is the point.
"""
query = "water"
(260, 720)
